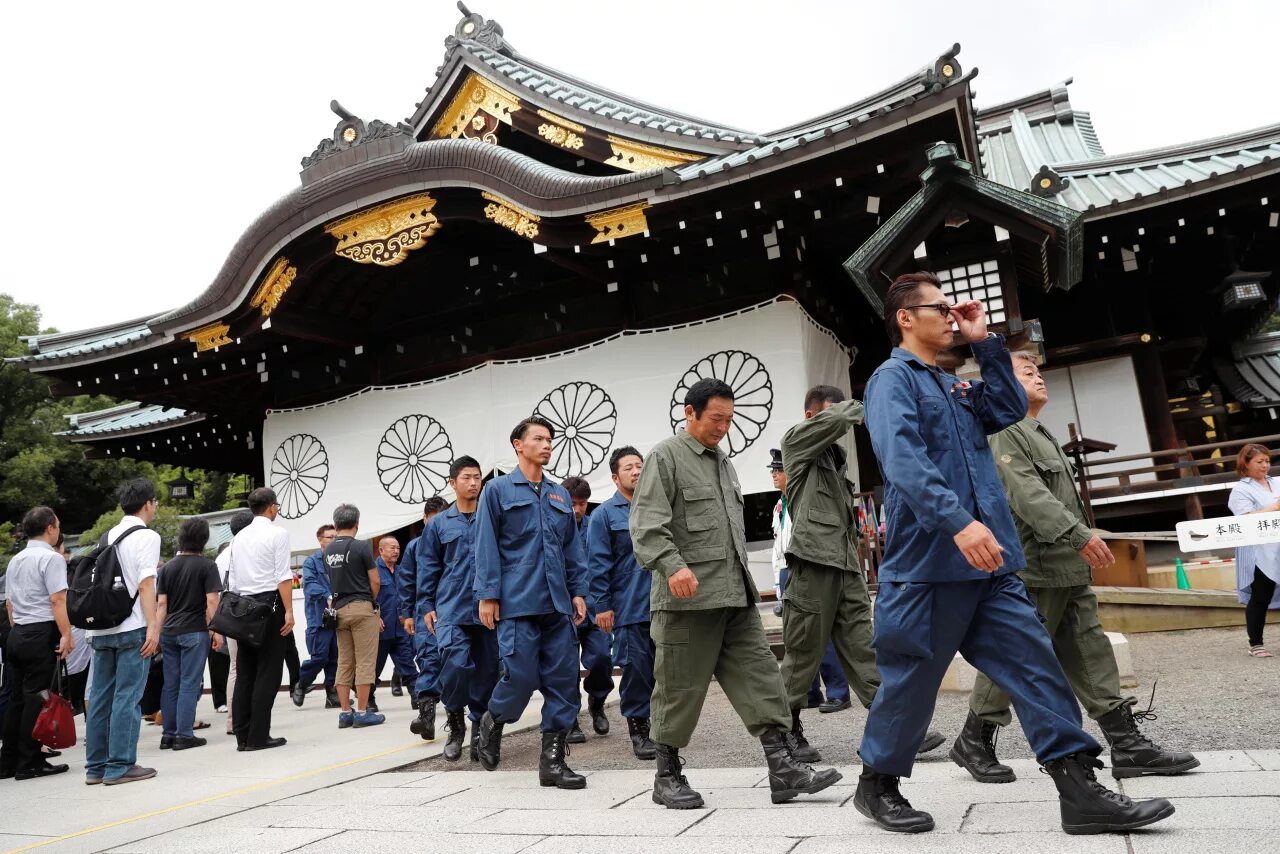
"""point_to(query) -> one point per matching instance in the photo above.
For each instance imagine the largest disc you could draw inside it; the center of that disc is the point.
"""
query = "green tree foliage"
(39, 467)
(166, 524)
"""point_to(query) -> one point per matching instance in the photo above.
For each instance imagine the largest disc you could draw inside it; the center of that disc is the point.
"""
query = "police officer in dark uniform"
(468, 650)
(531, 580)
(620, 596)
(947, 580)
(594, 642)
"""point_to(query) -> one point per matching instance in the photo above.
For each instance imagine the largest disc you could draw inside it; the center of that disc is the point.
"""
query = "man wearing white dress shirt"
(260, 570)
(120, 654)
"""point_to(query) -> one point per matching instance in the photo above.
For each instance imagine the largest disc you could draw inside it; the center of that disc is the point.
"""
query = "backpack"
(97, 597)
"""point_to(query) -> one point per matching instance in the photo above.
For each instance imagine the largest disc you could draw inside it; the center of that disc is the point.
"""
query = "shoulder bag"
(239, 617)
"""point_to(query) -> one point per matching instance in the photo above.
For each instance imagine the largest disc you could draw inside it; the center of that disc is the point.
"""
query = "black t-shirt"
(349, 561)
(185, 581)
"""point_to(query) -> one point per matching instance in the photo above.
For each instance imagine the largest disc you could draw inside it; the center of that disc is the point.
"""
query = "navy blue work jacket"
(389, 601)
(618, 582)
(528, 553)
(929, 431)
(407, 580)
(316, 589)
(447, 568)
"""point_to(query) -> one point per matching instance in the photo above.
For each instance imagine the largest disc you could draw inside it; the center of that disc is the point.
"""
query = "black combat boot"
(331, 698)
(788, 776)
(879, 799)
(576, 735)
(553, 768)
(475, 742)
(1090, 807)
(671, 788)
(975, 751)
(488, 742)
(641, 744)
(600, 723)
(425, 723)
(456, 724)
(801, 749)
(1135, 755)
(397, 685)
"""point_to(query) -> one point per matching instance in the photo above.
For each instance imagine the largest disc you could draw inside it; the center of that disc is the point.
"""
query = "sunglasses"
(941, 308)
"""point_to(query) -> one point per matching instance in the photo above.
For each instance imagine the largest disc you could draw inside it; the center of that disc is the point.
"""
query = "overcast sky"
(144, 138)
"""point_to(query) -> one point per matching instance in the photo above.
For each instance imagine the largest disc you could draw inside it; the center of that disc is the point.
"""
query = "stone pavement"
(1231, 804)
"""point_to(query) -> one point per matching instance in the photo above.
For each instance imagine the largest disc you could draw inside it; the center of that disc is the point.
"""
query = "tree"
(165, 524)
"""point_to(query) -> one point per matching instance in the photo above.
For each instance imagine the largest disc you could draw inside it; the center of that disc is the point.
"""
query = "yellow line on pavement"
(242, 791)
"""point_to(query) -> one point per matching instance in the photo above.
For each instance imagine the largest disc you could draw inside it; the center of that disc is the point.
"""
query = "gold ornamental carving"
(209, 337)
(618, 223)
(474, 113)
(386, 234)
(512, 217)
(637, 157)
(560, 131)
(273, 287)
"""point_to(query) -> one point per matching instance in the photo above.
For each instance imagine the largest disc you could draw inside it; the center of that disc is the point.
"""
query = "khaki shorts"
(358, 631)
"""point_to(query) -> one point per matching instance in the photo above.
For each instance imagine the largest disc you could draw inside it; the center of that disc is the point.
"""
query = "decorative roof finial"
(474, 28)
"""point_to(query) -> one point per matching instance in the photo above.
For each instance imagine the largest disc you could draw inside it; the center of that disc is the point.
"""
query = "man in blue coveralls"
(393, 642)
(468, 652)
(531, 580)
(947, 580)
(322, 644)
(426, 691)
(593, 641)
(620, 597)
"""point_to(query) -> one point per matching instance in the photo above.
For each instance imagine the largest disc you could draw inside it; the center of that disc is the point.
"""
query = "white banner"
(1229, 532)
(388, 449)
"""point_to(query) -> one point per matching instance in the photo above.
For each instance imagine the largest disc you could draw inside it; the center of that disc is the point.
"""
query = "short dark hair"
(903, 292)
(261, 499)
(320, 531)
(578, 488)
(464, 462)
(346, 517)
(240, 520)
(37, 520)
(618, 453)
(434, 504)
(193, 535)
(701, 392)
(822, 394)
(134, 494)
(523, 427)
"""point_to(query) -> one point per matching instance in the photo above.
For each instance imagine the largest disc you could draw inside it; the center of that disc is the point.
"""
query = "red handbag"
(55, 725)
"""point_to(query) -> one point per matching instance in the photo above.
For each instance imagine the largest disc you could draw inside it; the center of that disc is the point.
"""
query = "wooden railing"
(870, 540)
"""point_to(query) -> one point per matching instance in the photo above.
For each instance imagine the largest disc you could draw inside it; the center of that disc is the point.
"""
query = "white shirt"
(139, 557)
(259, 559)
(781, 540)
(223, 562)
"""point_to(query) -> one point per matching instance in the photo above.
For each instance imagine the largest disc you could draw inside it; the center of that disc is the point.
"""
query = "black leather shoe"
(671, 788)
(488, 742)
(397, 686)
(456, 725)
(1135, 755)
(641, 745)
(331, 698)
(425, 723)
(576, 735)
(1089, 807)
(182, 742)
(266, 745)
(44, 769)
(801, 749)
(166, 742)
(6, 773)
(788, 776)
(879, 799)
(835, 706)
(298, 694)
(932, 741)
(975, 751)
(600, 723)
(553, 766)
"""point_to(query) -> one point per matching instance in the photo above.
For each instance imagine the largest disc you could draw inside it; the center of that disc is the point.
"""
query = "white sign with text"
(1229, 532)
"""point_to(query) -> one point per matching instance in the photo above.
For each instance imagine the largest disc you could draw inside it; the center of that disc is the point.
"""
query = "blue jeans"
(184, 658)
(114, 719)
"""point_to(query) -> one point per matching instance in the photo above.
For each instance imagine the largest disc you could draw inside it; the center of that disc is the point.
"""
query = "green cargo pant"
(824, 605)
(1071, 618)
(729, 643)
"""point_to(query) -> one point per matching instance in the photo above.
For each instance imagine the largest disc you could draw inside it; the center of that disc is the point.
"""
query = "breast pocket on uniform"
(699, 508)
(519, 519)
(935, 424)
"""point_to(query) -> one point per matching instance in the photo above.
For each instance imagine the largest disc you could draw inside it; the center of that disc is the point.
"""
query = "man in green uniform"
(1061, 550)
(826, 596)
(687, 528)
